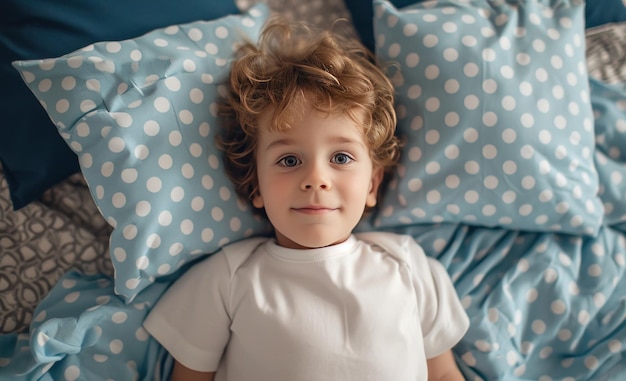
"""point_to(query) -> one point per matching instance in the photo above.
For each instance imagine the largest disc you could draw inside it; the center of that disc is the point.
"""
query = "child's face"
(315, 179)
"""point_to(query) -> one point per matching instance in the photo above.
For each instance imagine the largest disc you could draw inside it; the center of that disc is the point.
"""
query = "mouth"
(314, 210)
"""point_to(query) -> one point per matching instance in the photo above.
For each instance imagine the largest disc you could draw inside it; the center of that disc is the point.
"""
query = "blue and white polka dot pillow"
(141, 116)
(493, 101)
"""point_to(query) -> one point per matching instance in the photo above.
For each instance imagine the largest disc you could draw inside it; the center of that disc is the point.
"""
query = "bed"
(513, 172)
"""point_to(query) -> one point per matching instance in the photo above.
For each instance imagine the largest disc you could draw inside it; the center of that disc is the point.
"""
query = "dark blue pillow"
(599, 12)
(33, 155)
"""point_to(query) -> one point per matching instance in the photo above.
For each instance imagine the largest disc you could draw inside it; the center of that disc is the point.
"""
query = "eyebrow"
(279, 142)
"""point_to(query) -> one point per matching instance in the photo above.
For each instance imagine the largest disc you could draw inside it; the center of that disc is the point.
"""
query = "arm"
(182, 373)
(444, 368)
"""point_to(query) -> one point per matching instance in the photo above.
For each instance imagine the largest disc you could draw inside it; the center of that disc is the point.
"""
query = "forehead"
(282, 114)
(298, 111)
(312, 124)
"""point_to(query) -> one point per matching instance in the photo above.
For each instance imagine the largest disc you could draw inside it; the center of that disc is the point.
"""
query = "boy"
(312, 140)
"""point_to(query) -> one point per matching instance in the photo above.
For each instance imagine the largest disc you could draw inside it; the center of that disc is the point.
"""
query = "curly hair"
(294, 65)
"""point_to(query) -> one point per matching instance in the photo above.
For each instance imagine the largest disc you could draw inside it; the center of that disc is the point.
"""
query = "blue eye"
(341, 158)
(289, 161)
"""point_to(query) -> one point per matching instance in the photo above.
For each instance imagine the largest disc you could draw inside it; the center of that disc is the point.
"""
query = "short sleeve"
(443, 319)
(191, 320)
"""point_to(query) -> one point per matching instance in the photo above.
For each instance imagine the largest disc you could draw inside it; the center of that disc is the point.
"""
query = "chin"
(309, 240)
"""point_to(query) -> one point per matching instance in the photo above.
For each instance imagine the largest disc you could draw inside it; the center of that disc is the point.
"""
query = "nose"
(316, 177)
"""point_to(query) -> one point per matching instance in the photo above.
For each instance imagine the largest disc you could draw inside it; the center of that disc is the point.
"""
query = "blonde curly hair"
(293, 65)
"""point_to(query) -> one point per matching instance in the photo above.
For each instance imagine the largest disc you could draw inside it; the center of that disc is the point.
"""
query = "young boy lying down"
(312, 141)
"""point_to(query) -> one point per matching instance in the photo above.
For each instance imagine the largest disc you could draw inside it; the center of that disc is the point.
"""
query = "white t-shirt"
(352, 311)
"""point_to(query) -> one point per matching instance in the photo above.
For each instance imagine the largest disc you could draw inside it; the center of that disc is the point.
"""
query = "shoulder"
(401, 246)
(406, 250)
(238, 252)
(229, 257)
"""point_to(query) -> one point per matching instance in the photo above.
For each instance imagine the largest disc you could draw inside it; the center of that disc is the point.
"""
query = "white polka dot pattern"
(82, 329)
(493, 102)
(141, 116)
(609, 106)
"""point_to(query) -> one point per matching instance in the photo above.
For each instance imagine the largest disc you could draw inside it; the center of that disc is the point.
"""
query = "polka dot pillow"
(141, 116)
(493, 103)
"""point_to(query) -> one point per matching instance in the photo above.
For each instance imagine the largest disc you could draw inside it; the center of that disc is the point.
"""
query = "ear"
(372, 195)
(257, 201)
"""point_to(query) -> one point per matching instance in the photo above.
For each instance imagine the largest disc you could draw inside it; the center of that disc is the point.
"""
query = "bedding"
(493, 107)
(142, 127)
(546, 301)
(33, 155)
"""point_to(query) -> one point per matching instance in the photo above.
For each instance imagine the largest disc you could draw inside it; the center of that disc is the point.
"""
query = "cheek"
(273, 184)
(358, 186)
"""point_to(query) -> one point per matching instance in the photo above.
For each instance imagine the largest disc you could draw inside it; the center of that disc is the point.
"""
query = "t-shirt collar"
(311, 255)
